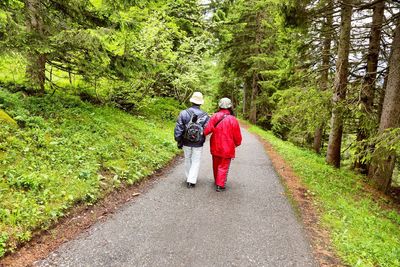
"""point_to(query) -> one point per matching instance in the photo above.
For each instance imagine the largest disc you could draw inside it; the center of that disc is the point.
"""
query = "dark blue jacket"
(183, 120)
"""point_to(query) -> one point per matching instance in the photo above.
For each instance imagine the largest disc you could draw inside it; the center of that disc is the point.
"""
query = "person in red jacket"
(226, 136)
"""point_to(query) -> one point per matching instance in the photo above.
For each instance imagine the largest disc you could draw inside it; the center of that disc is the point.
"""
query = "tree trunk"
(318, 135)
(340, 86)
(326, 53)
(36, 66)
(382, 97)
(245, 99)
(254, 93)
(254, 82)
(36, 71)
(368, 88)
(381, 170)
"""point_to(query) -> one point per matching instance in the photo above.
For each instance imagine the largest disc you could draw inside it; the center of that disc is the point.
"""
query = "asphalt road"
(250, 224)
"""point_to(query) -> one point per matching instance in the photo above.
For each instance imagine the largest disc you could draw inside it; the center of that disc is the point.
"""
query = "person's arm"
(179, 127)
(207, 120)
(209, 126)
(237, 135)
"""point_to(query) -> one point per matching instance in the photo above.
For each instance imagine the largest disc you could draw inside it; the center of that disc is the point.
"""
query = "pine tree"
(367, 94)
(340, 86)
(327, 34)
(383, 163)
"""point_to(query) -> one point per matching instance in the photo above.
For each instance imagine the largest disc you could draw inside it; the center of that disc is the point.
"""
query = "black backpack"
(194, 128)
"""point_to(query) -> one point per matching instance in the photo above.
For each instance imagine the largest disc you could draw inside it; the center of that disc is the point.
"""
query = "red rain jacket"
(226, 136)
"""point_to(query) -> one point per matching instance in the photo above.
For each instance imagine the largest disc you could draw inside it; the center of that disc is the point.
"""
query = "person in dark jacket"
(189, 136)
(226, 136)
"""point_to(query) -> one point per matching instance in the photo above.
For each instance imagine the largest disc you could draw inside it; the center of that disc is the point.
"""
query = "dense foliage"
(289, 74)
(120, 51)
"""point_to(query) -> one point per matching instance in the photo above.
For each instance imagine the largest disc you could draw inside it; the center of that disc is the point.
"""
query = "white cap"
(197, 98)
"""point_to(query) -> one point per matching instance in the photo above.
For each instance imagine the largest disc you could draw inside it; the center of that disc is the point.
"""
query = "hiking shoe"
(219, 188)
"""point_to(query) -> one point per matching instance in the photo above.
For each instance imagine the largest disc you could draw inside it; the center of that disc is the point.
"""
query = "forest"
(85, 84)
(322, 74)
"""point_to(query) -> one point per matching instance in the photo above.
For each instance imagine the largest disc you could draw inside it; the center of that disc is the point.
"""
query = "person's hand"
(179, 144)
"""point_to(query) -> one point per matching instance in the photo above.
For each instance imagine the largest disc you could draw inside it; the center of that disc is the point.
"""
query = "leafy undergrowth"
(65, 152)
(363, 233)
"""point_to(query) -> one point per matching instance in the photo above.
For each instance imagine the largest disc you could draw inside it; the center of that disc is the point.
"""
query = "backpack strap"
(202, 116)
(191, 114)
(223, 117)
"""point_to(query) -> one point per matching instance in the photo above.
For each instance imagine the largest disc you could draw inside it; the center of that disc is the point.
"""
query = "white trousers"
(192, 163)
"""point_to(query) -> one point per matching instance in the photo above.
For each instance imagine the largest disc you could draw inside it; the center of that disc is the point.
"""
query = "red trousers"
(221, 168)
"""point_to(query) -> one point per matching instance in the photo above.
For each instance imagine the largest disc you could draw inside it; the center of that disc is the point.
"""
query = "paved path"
(250, 224)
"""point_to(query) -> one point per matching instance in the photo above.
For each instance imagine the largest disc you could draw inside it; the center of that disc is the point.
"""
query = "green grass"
(65, 152)
(363, 233)
(12, 68)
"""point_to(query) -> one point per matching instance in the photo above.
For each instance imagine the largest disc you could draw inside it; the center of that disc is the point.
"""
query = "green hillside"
(63, 152)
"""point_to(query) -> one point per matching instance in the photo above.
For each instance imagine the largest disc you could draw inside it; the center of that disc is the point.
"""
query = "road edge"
(81, 218)
(304, 206)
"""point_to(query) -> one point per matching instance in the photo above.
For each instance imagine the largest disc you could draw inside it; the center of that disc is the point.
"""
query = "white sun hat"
(225, 103)
(197, 98)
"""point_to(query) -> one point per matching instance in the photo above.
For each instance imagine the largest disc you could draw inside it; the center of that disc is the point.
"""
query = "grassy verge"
(363, 233)
(64, 152)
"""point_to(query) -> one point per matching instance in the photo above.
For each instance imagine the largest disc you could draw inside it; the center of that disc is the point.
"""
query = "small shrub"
(3, 243)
